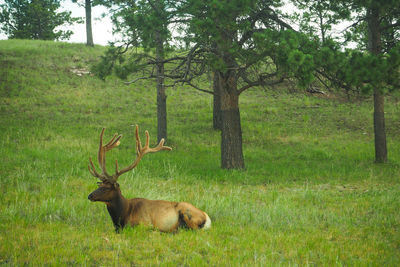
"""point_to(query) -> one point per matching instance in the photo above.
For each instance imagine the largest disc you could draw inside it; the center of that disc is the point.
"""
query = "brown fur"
(166, 216)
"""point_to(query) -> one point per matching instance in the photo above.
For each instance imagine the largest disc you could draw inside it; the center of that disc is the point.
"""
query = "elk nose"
(90, 196)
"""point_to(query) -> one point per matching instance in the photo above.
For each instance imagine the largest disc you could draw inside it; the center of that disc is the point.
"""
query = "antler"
(114, 142)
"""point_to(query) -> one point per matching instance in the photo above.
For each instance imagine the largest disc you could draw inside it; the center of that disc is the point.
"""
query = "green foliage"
(354, 69)
(310, 194)
(35, 19)
(292, 53)
(318, 17)
(141, 23)
(247, 36)
(104, 66)
(362, 70)
(145, 37)
(388, 19)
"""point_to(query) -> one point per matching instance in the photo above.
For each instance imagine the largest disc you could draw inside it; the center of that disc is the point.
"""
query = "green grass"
(310, 194)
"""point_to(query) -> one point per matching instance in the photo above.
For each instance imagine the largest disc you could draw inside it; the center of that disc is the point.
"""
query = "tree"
(231, 38)
(217, 116)
(374, 66)
(35, 19)
(377, 13)
(144, 24)
(88, 4)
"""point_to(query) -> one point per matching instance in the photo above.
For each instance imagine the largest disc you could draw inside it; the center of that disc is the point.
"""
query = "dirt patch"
(80, 71)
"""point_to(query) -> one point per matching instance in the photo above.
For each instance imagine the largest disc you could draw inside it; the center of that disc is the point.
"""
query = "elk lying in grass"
(167, 216)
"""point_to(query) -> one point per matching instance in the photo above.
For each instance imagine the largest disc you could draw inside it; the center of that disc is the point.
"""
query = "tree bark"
(161, 95)
(231, 132)
(375, 47)
(379, 128)
(217, 120)
(89, 33)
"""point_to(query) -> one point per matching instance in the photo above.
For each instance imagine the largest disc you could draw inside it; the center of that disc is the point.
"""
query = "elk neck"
(118, 208)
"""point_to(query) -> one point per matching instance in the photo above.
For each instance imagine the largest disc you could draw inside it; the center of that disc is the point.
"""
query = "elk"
(164, 215)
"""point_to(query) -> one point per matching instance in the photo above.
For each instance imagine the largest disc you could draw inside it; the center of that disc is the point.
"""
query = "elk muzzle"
(96, 194)
(90, 197)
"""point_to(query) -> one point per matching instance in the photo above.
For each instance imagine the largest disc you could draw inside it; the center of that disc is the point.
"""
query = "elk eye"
(105, 188)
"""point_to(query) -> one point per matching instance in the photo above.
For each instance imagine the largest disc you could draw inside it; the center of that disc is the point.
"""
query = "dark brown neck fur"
(117, 208)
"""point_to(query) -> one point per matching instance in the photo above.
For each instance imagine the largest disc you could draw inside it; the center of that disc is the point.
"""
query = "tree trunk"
(89, 34)
(161, 95)
(217, 120)
(379, 128)
(374, 43)
(231, 132)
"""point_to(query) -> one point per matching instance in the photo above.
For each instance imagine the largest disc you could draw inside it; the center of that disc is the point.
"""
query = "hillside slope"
(310, 193)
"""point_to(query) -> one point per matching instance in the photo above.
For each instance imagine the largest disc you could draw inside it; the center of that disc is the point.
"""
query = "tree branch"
(273, 16)
(261, 81)
(137, 79)
(393, 25)
(195, 86)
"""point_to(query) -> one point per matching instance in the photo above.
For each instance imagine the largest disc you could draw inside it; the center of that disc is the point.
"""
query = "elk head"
(108, 187)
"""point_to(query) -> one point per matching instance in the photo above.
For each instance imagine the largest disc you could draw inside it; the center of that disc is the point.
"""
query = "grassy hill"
(310, 194)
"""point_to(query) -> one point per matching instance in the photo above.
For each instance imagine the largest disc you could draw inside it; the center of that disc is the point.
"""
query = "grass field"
(310, 195)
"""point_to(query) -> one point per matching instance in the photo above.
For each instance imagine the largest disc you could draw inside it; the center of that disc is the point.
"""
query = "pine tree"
(373, 66)
(142, 24)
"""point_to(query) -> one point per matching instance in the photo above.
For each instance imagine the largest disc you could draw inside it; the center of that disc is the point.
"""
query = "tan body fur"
(165, 215)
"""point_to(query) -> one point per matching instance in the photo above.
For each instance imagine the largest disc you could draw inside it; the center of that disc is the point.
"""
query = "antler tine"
(138, 142)
(160, 147)
(113, 142)
(116, 166)
(147, 145)
(93, 171)
(100, 155)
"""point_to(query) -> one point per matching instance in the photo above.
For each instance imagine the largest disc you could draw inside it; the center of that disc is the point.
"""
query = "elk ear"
(116, 185)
